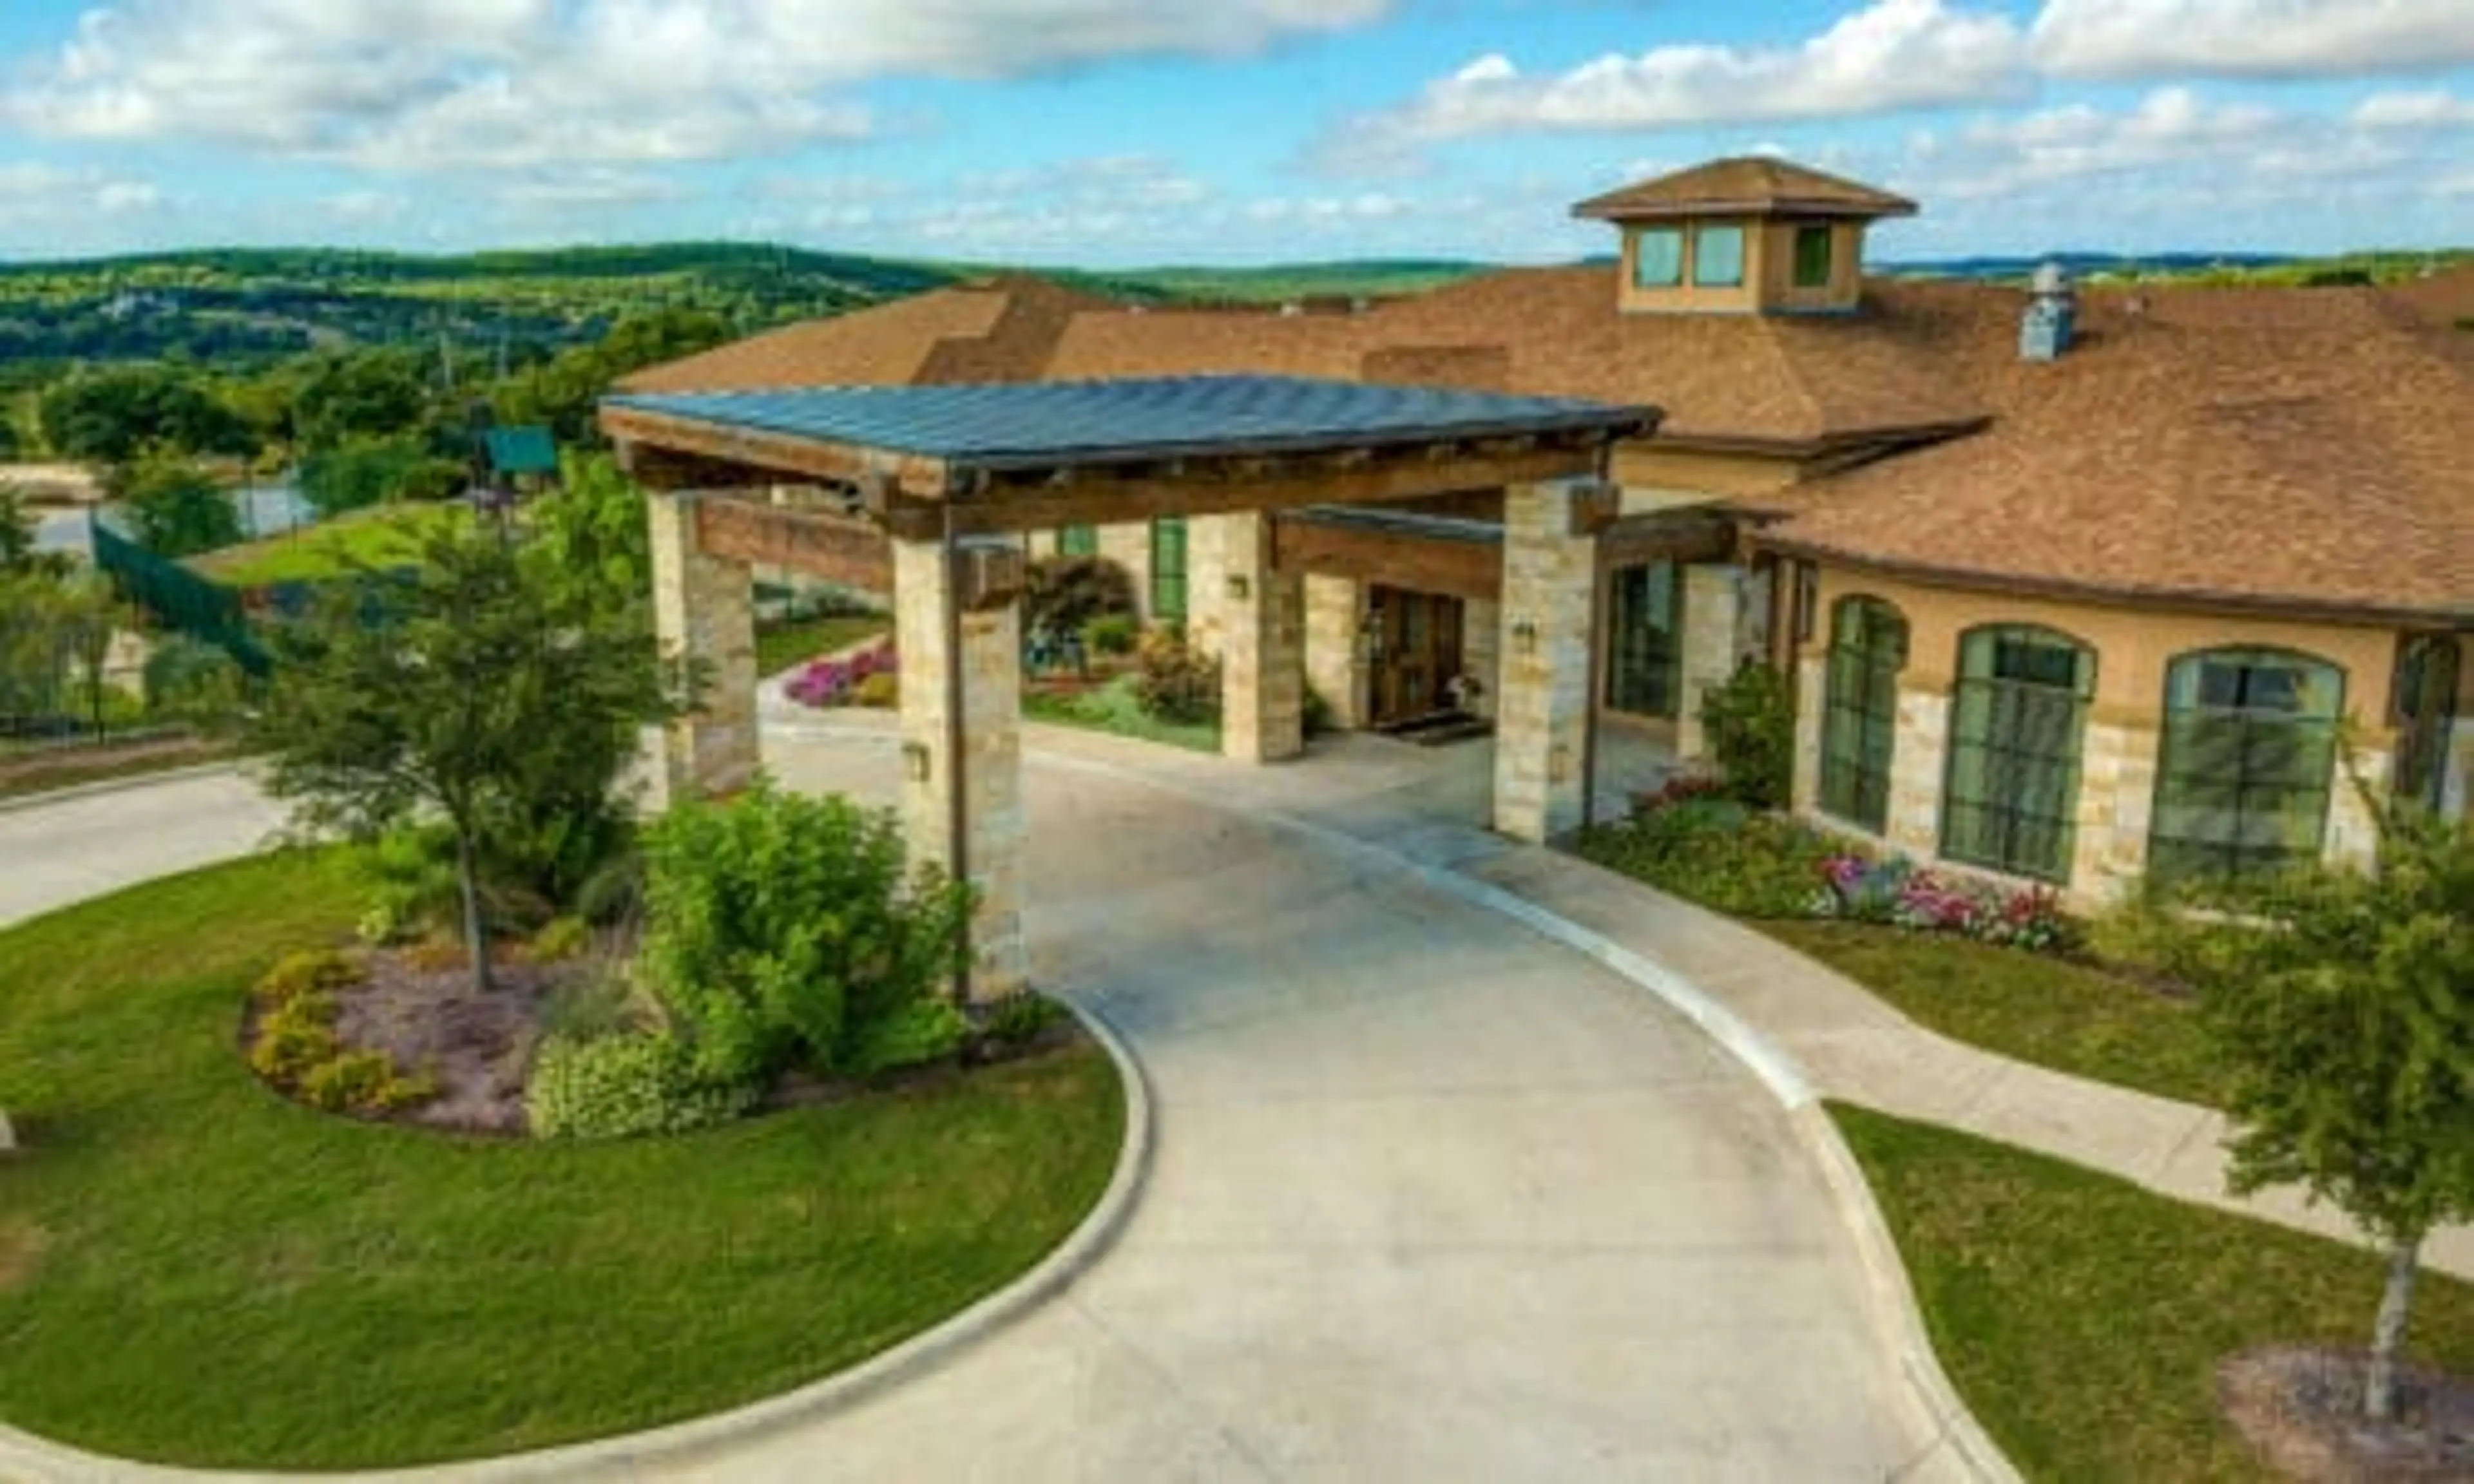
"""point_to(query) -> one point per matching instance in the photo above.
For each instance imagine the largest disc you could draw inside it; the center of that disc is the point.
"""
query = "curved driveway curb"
(27, 1459)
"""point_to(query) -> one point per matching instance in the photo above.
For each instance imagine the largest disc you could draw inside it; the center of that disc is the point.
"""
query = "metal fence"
(180, 599)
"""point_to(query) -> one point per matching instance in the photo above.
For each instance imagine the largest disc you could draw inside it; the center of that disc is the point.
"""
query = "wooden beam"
(837, 548)
(1393, 557)
(668, 470)
(1095, 500)
(773, 454)
(1668, 535)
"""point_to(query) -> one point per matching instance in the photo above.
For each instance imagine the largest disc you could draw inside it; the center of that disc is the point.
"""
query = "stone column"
(704, 615)
(1215, 546)
(1482, 653)
(2353, 834)
(1713, 607)
(1541, 712)
(1812, 713)
(1262, 623)
(1916, 767)
(1335, 653)
(988, 767)
(2116, 811)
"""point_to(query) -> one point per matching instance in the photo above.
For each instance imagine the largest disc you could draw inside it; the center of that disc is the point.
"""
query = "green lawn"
(1112, 708)
(2083, 1317)
(781, 645)
(194, 1270)
(2057, 1014)
(382, 536)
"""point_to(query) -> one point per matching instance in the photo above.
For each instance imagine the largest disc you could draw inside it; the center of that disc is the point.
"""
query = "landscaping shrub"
(1750, 724)
(879, 692)
(622, 1087)
(561, 940)
(309, 971)
(914, 1035)
(1316, 714)
(1113, 635)
(1061, 595)
(1173, 681)
(190, 681)
(594, 1008)
(1719, 853)
(786, 930)
(295, 1037)
(362, 1081)
(1018, 1020)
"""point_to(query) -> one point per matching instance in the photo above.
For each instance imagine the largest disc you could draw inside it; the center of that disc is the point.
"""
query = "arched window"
(2250, 757)
(1868, 647)
(2427, 678)
(2010, 801)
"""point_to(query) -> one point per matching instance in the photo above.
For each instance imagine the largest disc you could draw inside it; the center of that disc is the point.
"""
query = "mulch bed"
(2301, 1407)
(477, 1048)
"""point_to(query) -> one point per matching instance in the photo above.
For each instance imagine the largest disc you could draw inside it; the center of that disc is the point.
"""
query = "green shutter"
(1078, 541)
(1168, 570)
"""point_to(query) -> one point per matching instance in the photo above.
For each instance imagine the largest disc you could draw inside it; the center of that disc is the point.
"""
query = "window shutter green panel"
(1168, 569)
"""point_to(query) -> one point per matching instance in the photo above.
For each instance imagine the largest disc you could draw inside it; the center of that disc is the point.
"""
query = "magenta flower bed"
(1897, 891)
(830, 682)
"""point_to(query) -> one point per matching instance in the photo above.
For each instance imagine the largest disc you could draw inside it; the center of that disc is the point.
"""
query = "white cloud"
(49, 208)
(1893, 55)
(2125, 38)
(436, 84)
(2433, 109)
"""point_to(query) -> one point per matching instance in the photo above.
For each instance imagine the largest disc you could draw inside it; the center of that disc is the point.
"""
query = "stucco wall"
(2119, 751)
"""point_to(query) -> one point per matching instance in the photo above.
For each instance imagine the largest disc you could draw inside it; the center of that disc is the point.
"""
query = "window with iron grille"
(1168, 569)
(2250, 756)
(2427, 680)
(2010, 798)
(1868, 647)
(1078, 541)
(1645, 641)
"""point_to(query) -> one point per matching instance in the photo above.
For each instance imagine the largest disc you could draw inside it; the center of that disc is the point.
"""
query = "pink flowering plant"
(830, 682)
(1897, 891)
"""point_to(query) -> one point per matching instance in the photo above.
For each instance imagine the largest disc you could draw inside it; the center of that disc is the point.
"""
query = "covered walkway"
(928, 490)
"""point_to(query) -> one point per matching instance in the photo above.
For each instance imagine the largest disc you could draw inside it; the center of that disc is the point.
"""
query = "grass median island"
(2053, 1012)
(195, 1270)
(2083, 1317)
(1114, 708)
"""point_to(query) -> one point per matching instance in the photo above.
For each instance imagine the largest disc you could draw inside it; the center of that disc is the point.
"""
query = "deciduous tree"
(2342, 1003)
(471, 693)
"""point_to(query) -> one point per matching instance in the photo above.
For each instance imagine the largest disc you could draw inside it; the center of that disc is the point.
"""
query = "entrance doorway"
(1416, 655)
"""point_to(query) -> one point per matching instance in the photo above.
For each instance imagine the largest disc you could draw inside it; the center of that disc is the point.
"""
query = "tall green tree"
(2342, 1003)
(177, 507)
(592, 538)
(473, 694)
(113, 416)
(363, 393)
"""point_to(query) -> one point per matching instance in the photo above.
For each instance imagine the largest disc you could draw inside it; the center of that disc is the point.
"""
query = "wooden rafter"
(844, 549)
(1391, 556)
(769, 458)
(1688, 534)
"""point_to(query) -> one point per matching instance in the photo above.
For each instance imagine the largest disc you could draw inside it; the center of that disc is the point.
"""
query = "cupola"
(1751, 235)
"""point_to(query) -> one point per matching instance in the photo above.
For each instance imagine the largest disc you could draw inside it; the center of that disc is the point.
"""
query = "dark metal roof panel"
(1024, 425)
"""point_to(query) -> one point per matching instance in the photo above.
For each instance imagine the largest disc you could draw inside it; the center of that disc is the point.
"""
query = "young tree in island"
(474, 693)
(177, 509)
(2342, 1004)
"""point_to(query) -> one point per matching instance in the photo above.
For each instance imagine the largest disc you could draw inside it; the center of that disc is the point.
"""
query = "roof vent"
(2052, 315)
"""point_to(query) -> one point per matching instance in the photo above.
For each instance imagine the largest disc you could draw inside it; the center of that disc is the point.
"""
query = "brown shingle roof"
(2288, 448)
(1002, 330)
(1748, 186)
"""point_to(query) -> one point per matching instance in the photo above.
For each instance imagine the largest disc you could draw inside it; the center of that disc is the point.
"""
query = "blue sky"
(1117, 132)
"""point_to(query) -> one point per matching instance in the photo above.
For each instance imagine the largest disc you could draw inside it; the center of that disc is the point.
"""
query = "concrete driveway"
(55, 854)
(1432, 1199)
